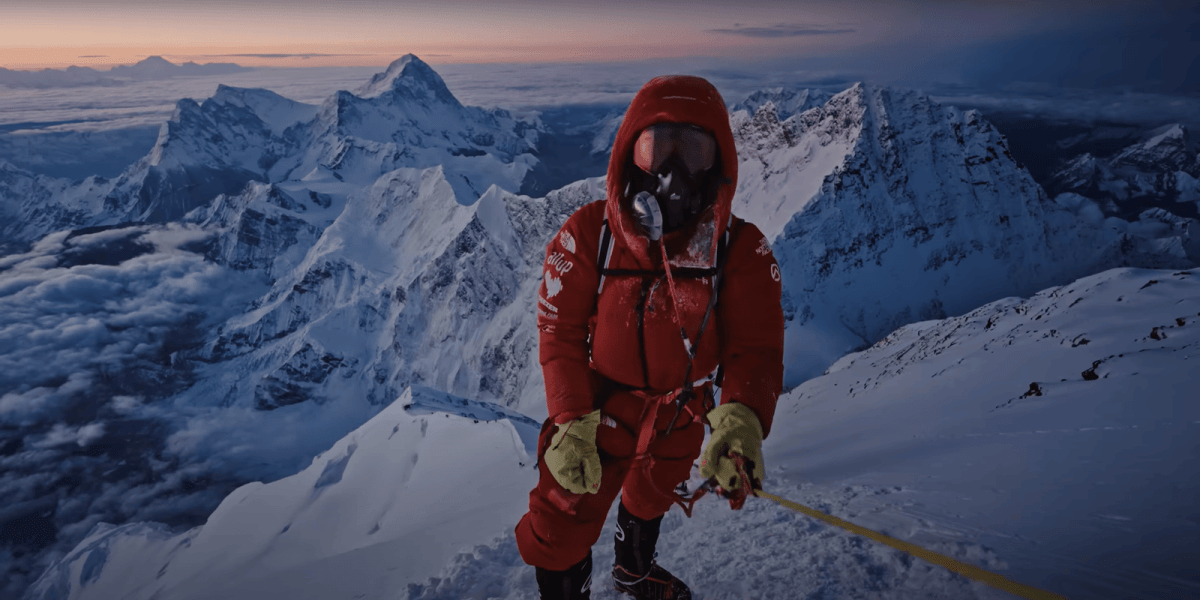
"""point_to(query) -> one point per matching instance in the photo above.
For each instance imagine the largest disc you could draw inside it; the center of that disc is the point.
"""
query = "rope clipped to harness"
(736, 497)
(689, 346)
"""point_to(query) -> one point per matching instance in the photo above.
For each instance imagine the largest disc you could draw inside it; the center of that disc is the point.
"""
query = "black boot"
(634, 570)
(575, 583)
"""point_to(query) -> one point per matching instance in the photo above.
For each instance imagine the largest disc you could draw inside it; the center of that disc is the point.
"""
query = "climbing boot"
(634, 571)
(575, 583)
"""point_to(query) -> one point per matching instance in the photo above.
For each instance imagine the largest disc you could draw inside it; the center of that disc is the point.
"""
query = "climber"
(643, 295)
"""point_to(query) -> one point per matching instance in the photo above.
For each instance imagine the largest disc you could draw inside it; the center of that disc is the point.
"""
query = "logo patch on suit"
(560, 263)
(554, 285)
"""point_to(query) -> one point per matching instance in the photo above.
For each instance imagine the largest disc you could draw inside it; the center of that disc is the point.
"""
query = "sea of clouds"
(90, 324)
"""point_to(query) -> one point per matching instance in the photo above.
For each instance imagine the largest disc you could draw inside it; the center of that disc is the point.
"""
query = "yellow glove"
(735, 428)
(572, 457)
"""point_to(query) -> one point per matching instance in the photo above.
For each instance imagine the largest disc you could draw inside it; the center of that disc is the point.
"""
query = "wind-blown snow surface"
(1005, 437)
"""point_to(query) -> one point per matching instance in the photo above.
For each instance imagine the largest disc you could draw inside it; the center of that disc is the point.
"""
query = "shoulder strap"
(735, 224)
(605, 254)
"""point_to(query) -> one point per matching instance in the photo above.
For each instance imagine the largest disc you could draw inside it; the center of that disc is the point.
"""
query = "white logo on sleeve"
(620, 533)
(775, 272)
(554, 285)
(764, 248)
(568, 242)
(560, 263)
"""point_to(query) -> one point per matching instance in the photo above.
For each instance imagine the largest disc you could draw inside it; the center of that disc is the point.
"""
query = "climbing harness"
(687, 395)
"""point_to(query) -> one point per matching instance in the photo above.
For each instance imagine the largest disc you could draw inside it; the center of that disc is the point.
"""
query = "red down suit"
(609, 338)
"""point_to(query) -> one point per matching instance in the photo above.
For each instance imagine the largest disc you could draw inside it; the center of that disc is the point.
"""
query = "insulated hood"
(674, 99)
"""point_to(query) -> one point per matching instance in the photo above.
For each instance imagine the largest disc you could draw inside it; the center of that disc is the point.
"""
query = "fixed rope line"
(962, 568)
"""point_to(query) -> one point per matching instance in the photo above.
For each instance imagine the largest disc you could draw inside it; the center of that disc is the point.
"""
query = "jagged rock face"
(206, 150)
(25, 200)
(923, 188)
(266, 227)
(885, 208)
(786, 101)
(31, 205)
(406, 286)
(1172, 149)
(1159, 172)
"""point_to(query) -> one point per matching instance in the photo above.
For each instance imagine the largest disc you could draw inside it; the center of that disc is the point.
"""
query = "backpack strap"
(604, 257)
(605, 254)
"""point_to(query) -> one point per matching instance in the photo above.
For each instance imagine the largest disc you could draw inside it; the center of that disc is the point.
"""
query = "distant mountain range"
(154, 67)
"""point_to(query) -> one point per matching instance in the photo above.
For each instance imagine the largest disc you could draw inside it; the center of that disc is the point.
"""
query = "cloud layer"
(94, 328)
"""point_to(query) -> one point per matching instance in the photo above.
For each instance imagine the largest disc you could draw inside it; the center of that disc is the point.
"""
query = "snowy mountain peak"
(408, 77)
(882, 181)
(1175, 133)
(7, 167)
(787, 101)
(277, 112)
(148, 68)
(1168, 148)
(150, 61)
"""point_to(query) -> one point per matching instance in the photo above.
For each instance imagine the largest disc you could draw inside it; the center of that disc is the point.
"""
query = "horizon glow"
(61, 33)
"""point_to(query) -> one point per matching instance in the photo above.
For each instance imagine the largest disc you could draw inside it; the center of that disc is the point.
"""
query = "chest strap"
(604, 257)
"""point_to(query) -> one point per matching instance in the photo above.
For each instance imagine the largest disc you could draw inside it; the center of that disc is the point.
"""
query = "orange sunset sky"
(101, 34)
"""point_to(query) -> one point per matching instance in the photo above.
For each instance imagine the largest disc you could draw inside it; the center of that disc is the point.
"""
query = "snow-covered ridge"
(387, 505)
(884, 207)
(451, 312)
(1047, 428)
(409, 76)
(407, 118)
(785, 101)
(1160, 171)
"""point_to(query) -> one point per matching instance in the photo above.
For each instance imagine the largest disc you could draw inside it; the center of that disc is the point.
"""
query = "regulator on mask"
(672, 183)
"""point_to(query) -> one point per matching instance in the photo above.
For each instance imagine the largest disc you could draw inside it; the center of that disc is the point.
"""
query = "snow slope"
(1053, 430)
(390, 503)
(931, 435)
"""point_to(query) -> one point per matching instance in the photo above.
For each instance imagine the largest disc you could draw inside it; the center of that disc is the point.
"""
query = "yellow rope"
(961, 568)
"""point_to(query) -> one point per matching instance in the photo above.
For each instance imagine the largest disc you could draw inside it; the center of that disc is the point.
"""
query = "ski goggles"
(696, 147)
